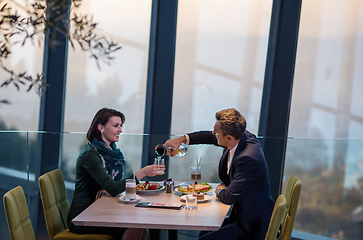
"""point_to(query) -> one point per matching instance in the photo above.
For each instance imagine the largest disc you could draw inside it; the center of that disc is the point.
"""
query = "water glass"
(191, 202)
(130, 192)
(159, 161)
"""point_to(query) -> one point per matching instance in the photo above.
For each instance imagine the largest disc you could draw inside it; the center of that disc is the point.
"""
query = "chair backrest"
(17, 214)
(276, 218)
(54, 199)
(292, 194)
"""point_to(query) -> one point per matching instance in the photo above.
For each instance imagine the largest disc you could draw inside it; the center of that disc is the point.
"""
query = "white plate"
(150, 191)
(184, 193)
(206, 198)
(126, 200)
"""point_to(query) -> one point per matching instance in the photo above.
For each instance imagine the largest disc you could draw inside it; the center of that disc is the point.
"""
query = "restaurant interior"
(292, 68)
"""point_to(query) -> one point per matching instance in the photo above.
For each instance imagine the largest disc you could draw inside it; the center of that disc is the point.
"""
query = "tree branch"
(40, 17)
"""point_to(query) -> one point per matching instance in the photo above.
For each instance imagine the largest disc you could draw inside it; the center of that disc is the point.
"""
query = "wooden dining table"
(111, 212)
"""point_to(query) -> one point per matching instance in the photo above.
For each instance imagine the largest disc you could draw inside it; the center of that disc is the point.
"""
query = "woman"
(99, 170)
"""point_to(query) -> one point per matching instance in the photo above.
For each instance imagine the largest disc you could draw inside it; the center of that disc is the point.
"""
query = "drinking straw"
(133, 172)
(198, 161)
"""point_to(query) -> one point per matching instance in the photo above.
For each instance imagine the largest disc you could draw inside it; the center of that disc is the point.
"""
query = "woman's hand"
(150, 171)
(101, 193)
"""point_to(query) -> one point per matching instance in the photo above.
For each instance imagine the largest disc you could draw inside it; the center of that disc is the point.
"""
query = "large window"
(121, 85)
(327, 97)
(220, 63)
(327, 104)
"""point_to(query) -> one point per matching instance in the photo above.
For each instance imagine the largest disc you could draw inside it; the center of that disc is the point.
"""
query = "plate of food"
(198, 188)
(200, 198)
(149, 187)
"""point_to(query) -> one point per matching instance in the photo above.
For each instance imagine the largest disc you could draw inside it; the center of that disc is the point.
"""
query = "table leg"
(154, 234)
(173, 234)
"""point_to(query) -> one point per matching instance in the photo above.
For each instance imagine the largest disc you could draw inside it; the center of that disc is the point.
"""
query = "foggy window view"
(326, 105)
(121, 85)
(220, 61)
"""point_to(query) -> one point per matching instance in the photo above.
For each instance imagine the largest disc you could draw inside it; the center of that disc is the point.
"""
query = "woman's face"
(111, 130)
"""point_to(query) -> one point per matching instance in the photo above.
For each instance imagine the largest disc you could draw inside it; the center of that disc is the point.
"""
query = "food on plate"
(199, 188)
(200, 196)
(149, 186)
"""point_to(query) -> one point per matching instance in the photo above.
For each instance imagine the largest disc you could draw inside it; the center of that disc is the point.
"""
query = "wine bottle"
(160, 150)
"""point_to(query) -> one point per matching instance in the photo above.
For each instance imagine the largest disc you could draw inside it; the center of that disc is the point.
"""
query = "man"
(243, 172)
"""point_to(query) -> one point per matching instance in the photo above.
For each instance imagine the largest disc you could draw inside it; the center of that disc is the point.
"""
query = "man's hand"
(174, 144)
(220, 186)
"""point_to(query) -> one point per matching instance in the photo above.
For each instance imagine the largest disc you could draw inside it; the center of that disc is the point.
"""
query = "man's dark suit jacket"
(248, 185)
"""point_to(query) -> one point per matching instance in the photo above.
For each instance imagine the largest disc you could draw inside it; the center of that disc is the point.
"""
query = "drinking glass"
(196, 174)
(191, 202)
(159, 161)
(130, 189)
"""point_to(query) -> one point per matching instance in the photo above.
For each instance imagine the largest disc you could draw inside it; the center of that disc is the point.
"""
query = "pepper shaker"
(169, 187)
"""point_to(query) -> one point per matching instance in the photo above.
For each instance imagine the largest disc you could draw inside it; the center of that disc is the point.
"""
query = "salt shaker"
(169, 187)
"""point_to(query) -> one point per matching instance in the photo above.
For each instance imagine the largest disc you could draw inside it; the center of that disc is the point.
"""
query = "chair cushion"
(17, 214)
(55, 203)
(276, 218)
(292, 194)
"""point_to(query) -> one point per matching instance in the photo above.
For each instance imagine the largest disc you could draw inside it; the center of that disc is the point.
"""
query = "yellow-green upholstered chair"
(56, 206)
(275, 222)
(292, 195)
(17, 214)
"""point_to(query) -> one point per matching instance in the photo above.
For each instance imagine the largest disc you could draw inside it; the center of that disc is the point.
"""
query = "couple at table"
(242, 170)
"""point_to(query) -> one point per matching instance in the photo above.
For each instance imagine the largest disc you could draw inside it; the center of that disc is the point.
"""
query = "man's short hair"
(232, 122)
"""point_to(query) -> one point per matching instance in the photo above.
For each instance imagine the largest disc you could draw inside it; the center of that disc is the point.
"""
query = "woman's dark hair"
(102, 117)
